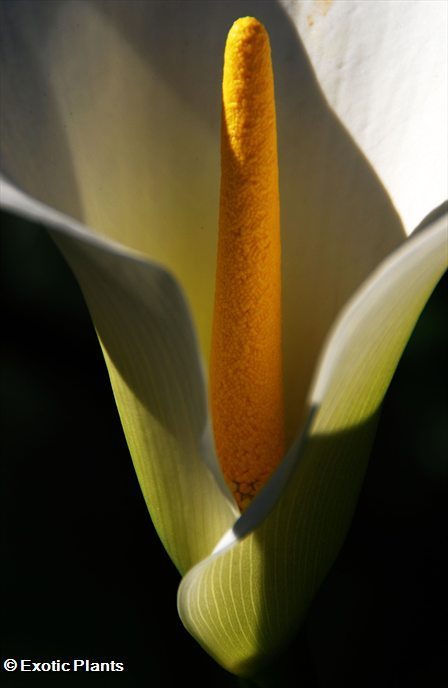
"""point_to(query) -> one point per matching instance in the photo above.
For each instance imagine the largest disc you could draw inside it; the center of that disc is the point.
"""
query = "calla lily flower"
(110, 139)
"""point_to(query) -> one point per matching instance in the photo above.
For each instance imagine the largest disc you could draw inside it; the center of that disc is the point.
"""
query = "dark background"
(83, 573)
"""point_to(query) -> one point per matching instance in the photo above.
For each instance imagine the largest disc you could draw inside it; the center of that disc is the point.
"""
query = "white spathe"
(110, 135)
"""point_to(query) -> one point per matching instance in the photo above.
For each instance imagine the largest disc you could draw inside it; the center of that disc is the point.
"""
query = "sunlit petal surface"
(384, 67)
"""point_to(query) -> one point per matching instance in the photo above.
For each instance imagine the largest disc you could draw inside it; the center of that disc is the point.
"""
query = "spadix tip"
(248, 34)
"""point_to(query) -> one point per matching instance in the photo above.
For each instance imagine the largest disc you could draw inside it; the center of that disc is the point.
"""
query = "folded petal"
(150, 348)
(244, 601)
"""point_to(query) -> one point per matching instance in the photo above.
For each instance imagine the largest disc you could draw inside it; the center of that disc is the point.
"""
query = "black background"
(83, 573)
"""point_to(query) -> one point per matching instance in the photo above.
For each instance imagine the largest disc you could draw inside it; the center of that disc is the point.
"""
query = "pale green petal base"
(243, 603)
(151, 353)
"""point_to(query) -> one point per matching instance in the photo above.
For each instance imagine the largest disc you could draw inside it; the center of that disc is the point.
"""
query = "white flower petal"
(384, 68)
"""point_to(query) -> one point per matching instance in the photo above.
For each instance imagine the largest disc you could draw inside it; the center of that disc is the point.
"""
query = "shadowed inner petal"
(111, 114)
